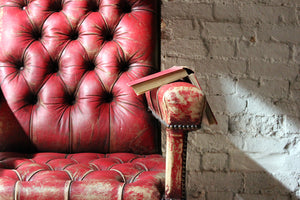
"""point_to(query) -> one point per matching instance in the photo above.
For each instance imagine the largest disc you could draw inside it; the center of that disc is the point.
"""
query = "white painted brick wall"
(246, 55)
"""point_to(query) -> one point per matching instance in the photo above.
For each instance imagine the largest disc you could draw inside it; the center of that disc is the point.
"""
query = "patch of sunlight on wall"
(277, 152)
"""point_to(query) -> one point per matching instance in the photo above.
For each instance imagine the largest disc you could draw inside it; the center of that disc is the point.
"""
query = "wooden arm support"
(179, 106)
(175, 164)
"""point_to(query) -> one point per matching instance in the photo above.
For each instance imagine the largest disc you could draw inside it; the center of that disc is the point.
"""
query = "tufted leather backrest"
(65, 65)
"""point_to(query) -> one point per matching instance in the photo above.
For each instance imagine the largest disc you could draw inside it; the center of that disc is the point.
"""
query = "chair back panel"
(64, 68)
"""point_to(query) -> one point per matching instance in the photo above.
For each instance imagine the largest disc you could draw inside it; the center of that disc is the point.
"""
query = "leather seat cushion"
(81, 176)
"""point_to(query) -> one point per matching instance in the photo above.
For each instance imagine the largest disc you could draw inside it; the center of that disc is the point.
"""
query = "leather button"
(56, 6)
(124, 64)
(36, 34)
(33, 99)
(54, 66)
(125, 7)
(71, 99)
(107, 97)
(107, 34)
(90, 65)
(19, 64)
(74, 35)
(93, 6)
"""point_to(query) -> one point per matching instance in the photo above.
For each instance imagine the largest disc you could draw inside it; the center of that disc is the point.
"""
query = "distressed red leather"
(64, 66)
(81, 176)
(64, 69)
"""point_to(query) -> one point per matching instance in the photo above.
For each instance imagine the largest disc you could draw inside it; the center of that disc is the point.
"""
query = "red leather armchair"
(71, 128)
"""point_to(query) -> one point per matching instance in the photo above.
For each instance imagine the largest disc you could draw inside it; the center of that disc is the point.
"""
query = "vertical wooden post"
(175, 165)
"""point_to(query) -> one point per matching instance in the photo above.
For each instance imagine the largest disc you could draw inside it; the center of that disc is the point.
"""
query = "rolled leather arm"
(179, 106)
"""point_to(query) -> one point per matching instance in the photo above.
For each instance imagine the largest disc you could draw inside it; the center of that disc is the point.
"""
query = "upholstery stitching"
(16, 190)
(132, 180)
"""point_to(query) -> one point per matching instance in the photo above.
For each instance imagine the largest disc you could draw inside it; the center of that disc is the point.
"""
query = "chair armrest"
(179, 106)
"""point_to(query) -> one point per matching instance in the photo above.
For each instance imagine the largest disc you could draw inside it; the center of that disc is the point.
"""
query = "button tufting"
(107, 97)
(71, 99)
(74, 35)
(23, 5)
(79, 50)
(33, 99)
(107, 34)
(19, 65)
(93, 6)
(53, 66)
(125, 6)
(56, 6)
(90, 65)
(36, 34)
(124, 64)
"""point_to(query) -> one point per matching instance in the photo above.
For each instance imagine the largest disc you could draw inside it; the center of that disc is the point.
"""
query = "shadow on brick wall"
(217, 170)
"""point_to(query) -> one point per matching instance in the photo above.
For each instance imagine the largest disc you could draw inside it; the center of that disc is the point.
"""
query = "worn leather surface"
(179, 104)
(64, 68)
(84, 176)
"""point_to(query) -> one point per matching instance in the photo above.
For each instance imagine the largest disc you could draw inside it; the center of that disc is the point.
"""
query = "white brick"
(193, 158)
(289, 180)
(292, 124)
(266, 89)
(229, 103)
(288, 3)
(223, 48)
(216, 182)
(295, 91)
(248, 64)
(222, 30)
(187, 10)
(282, 33)
(297, 54)
(217, 103)
(261, 69)
(262, 106)
(221, 66)
(268, 14)
(211, 142)
(274, 88)
(246, 87)
(271, 125)
(266, 145)
(262, 197)
(219, 195)
(221, 86)
(239, 161)
(242, 124)
(196, 195)
(254, 125)
(235, 104)
(184, 48)
(188, 28)
(273, 163)
(215, 161)
(276, 51)
(221, 127)
(226, 11)
(263, 183)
